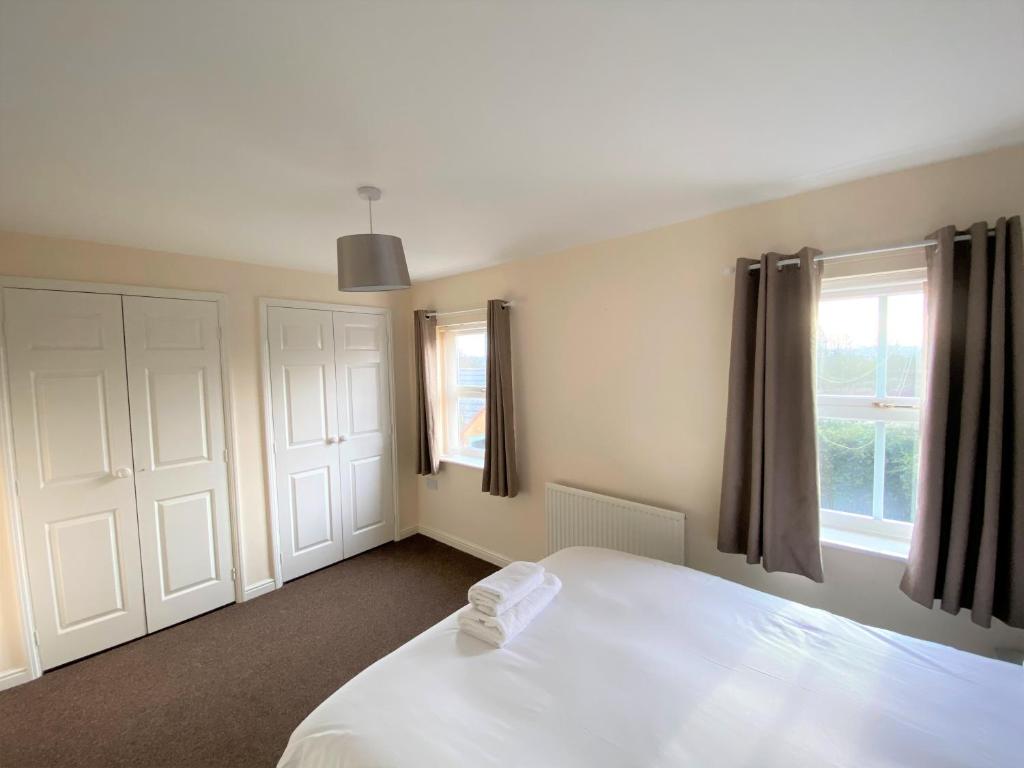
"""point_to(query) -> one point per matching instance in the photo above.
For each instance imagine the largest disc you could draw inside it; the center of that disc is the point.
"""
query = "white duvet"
(641, 663)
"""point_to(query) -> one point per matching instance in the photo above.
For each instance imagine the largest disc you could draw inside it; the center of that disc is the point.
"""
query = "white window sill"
(463, 461)
(872, 544)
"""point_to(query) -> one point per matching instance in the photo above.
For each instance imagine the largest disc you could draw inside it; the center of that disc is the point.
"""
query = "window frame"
(451, 391)
(847, 529)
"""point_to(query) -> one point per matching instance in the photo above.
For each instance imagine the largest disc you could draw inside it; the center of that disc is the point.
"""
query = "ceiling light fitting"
(371, 262)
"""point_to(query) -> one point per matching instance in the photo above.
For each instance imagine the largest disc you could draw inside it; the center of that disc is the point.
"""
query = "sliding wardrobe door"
(364, 399)
(72, 448)
(181, 477)
(305, 442)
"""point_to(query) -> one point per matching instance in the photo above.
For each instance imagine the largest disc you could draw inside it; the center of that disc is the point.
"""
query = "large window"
(463, 384)
(870, 375)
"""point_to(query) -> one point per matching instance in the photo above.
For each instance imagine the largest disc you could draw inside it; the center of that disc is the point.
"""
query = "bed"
(638, 662)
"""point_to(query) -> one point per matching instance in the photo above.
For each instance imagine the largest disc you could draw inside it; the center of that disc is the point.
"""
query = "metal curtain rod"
(435, 313)
(869, 252)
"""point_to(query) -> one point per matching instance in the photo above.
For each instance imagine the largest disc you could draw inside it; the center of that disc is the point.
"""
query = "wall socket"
(432, 482)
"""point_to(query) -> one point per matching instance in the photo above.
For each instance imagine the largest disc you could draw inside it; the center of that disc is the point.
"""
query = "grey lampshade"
(371, 263)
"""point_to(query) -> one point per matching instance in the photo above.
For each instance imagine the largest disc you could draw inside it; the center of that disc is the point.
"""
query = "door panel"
(85, 565)
(71, 424)
(72, 447)
(305, 414)
(305, 400)
(364, 409)
(188, 542)
(366, 466)
(367, 493)
(181, 479)
(311, 508)
(178, 417)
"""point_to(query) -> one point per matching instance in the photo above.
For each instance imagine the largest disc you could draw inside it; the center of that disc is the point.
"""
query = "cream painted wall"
(621, 353)
(243, 284)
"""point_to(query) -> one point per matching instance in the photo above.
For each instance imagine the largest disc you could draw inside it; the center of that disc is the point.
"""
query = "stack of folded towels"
(504, 603)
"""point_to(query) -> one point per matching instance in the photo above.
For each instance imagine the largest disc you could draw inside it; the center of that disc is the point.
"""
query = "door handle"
(123, 472)
(332, 439)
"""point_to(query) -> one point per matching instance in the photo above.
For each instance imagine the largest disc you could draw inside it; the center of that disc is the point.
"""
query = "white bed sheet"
(641, 663)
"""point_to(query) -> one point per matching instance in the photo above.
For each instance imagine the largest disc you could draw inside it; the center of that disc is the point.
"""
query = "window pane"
(471, 359)
(901, 449)
(472, 422)
(847, 346)
(904, 335)
(846, 462)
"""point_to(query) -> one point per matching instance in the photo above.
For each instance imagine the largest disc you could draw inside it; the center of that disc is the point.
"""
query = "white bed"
(642, 663)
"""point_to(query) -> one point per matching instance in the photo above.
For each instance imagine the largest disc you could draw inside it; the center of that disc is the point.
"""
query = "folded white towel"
(501, 590)
(498, 630)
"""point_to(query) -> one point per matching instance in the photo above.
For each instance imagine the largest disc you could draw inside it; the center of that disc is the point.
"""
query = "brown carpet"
(228, 688)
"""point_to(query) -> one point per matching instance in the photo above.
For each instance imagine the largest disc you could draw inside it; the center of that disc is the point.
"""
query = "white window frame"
(843, 529)
(448, 333)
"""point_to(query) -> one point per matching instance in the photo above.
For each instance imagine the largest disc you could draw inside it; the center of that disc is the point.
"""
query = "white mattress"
(642, 663)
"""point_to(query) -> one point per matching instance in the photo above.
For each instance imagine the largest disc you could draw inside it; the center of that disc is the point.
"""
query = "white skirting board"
(464, 546)
(267, 585)
(405, 533)
(259, 588)
(13, 677)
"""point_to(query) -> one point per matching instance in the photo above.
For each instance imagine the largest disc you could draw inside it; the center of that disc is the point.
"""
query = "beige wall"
(621, 353)
(243, 284)
(621, 358)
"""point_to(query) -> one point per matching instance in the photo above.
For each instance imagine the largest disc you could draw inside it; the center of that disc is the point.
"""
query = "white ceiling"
(496, 129)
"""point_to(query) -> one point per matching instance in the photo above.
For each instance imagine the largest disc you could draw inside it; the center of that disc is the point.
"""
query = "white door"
(181, 477)
(72, 447)
(364, 400)
(305, 415)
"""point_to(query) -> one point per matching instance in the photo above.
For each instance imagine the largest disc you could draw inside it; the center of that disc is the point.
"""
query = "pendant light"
(371, 262)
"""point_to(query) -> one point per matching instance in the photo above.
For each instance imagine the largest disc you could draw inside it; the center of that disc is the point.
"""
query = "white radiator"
(582, 518)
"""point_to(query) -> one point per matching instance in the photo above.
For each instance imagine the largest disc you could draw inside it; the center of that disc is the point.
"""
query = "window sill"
(871, 544)
(463, 461)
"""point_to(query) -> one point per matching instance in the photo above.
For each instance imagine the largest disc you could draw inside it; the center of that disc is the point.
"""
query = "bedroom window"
(870, 375)
(463, 367)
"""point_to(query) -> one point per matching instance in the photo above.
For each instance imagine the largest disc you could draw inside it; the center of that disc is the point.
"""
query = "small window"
(870, 377)
(463, 349)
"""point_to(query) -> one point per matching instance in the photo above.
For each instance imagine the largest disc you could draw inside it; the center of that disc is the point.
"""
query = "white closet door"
(73, 453)
(181, 478)
(305, 414)
(364, 397)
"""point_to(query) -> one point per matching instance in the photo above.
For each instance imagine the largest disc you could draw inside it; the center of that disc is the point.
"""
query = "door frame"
(14, 527)
(270, 465)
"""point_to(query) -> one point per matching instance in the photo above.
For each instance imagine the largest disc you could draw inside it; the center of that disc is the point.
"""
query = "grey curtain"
(428, 459)
(769, 502)
(968, 543)
(500, 476)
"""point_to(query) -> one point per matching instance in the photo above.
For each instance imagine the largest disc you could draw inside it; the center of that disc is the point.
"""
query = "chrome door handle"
(123, 472)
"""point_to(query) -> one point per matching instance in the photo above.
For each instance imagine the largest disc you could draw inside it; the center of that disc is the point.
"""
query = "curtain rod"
(868, 252)
(435, 313)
